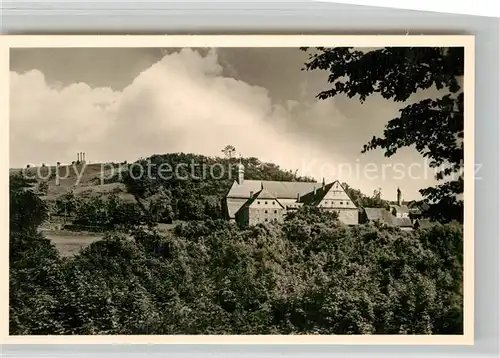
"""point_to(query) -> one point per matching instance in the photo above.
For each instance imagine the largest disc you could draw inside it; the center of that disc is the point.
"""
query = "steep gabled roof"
(412, 204)
(424, 223)
(384, 216)
(420, 205)
(264, 194)
(379, 214)
(261, 194)
(402, 222)
(400, 208)
(314, 198)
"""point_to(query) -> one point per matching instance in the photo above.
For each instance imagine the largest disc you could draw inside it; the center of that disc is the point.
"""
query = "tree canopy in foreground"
(309, 275)
(434, 126)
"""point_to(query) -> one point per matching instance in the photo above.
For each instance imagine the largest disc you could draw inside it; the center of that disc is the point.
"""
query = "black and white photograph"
(223, 190)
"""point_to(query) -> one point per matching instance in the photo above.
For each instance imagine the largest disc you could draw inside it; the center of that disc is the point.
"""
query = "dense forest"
(309, 275)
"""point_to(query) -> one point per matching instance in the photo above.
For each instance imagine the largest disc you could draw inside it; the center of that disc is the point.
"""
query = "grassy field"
(69, 243)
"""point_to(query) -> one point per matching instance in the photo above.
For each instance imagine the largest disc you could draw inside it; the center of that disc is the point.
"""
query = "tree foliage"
(309, 275)
(66, 204)
(27, 210)
(434, 126)
(33, 263)
(109, 212)
(361, 200)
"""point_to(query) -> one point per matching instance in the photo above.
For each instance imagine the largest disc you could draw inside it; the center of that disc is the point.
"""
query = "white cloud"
(181, 103)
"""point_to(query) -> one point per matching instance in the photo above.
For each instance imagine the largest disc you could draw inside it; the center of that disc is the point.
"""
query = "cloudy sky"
(122, 104)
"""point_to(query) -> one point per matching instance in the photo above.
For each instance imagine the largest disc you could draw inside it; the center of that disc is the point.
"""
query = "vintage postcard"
(238, 189)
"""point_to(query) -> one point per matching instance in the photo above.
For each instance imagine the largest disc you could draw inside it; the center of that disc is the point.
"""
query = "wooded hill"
(192, 188)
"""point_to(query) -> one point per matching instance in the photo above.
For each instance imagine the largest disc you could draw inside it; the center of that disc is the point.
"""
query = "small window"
(275, 211)
(341, 202)
(265, 219)
(265, 211)
(258, 202)
(273, 202)
(265, 202)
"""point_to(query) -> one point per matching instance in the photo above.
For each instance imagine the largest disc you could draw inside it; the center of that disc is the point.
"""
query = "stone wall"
(263, 215)
(347, 216)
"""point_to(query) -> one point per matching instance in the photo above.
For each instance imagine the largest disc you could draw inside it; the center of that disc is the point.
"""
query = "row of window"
(326, 201)
(265, 202)
(331, 202)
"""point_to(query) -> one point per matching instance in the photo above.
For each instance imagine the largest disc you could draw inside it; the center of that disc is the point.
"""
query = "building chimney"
(77, 157)
(298, 197)
(314, 190)
(84, 157)
(251, 194)
(323, 182)
(399, 197)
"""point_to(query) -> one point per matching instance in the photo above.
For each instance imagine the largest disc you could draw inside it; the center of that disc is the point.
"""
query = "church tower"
(241, 172)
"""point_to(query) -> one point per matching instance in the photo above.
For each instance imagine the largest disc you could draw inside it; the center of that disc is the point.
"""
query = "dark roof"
(261, 194)
(424, 223)
(379, 214)
(402, 222)
(400, 208)
(384, 216)
(314, 198)
(413, 204)
(418, 205)
(264, 194)
(280, 189)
